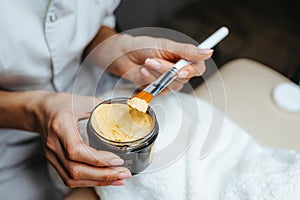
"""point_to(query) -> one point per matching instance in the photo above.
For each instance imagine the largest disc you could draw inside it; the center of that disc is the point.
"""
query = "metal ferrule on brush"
(162, 82)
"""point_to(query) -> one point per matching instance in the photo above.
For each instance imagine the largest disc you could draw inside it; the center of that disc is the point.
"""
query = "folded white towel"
(237, 168)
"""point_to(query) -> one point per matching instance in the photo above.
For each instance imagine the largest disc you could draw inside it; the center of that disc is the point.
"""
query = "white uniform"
(41, 43)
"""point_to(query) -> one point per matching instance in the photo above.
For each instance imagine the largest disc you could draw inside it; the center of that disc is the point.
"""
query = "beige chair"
(248, 86)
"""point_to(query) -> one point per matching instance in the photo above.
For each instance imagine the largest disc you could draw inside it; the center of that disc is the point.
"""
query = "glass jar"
(137, 154)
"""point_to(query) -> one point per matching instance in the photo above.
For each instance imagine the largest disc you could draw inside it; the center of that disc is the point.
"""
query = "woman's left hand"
(152, 57)
(142, 59)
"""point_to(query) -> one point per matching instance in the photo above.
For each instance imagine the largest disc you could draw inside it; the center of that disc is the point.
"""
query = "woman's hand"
(78, 164)
(142, 59)
(147, 58)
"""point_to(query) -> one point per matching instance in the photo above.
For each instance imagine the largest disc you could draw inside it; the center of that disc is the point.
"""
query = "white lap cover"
(237, 168)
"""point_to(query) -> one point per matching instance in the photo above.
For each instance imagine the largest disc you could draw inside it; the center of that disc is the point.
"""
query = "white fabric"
(238, 168)
(42, 42)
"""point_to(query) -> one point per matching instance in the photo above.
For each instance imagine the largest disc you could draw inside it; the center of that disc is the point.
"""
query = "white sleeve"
(109, 19)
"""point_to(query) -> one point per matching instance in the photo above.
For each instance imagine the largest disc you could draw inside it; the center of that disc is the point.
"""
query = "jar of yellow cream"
(116, 127)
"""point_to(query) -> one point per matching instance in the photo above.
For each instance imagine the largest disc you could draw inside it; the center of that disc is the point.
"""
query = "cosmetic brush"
(141, 100)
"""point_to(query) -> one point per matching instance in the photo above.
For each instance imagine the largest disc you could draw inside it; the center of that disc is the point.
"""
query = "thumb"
(82, 106)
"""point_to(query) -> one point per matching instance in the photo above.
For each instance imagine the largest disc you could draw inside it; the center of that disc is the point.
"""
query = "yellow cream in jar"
(121, 123)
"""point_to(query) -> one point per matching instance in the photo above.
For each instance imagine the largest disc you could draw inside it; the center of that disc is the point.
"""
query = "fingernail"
(153, 63)
(145, 72)
(205, 51)
(124, 175)
(183, 74)
(116, 162)
(117, 183)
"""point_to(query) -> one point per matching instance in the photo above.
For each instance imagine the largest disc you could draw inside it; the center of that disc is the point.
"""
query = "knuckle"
(69, 182)
(102, 183)
(105, 177)
(55, 124)
(98, 162)
(72, 152)
(74, 172)
(108, 176)
(58, 121)
(55, 127)
(48, 155)
(49, 143)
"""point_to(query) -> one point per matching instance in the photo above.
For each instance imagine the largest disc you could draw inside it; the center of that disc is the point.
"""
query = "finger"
(152, 64)
(83, 110)
(132, 74)
(195, 69)
(117, 183)
(65, 127)
(186, 51)
(77, 170)
(158, 65)
(147, 75)
(150, 77)
(192, 70)
(86, 154)
(71, 182)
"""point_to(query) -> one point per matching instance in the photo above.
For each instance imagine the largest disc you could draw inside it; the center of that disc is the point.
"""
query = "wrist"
(19, 109)
(109, 53)
(118, 58)
(103, 34)
(34, 108)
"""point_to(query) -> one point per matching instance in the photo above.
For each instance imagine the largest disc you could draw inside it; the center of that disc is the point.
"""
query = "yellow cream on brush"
(139, 104)
(121, 123)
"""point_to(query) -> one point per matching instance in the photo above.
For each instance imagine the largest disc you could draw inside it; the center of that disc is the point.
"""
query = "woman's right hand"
(78, 164)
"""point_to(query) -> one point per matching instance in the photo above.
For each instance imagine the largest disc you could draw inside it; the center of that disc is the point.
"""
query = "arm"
(17, 110)
(103, 34)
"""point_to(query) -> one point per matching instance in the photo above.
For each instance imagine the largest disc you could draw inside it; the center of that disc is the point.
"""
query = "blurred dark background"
(266, 31)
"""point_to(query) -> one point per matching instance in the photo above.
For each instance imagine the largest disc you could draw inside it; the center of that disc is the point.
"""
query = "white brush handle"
(209, 43)
(165, 79)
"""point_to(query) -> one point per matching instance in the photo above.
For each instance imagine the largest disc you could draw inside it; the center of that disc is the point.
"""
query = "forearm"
(106, 47)
(18, 109)
(103, 34)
